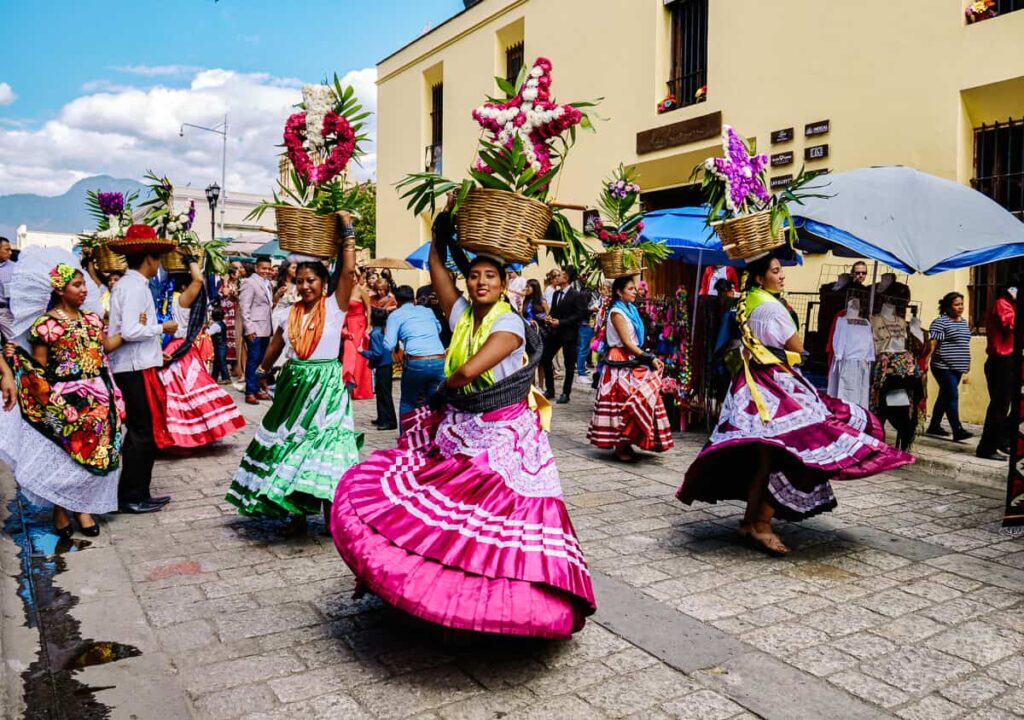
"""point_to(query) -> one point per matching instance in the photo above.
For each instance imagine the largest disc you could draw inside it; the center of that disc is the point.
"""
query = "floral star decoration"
(741, 172)
(532, 116)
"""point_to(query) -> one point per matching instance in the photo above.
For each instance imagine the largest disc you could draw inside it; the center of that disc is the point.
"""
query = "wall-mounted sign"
(782, 158)
(680, 133)
(781, 136)
(781, 181)
(816, 173)
(816, 128)
(816, 152)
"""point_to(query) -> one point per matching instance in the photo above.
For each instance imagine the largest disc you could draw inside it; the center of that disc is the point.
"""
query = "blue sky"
(77, 68)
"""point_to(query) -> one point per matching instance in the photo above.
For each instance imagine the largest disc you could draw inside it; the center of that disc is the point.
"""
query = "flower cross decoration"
(531, 115)
(740, 171)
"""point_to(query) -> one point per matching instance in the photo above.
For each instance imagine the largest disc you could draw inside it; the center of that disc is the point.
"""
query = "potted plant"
(501, 208)
(746, 216)
(980, 10)
(175, 224)
(619, 227)
(319, 142)
(112, 212)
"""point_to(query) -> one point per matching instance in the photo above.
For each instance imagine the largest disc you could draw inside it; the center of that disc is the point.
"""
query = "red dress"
(356, 368)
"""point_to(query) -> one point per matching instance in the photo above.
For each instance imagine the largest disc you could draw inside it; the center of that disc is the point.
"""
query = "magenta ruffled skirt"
(812, 438)
(463, 525)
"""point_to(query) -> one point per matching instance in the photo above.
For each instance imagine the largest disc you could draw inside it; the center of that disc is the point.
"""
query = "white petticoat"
(47, 475)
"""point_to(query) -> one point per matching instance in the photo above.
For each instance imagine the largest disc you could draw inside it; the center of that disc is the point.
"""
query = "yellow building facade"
(899, 83)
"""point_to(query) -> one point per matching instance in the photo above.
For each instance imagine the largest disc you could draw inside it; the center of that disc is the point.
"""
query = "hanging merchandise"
(668, 325)
(896, 386)
(851, 356)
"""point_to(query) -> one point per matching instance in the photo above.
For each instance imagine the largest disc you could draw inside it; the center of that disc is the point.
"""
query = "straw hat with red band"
(140, 239)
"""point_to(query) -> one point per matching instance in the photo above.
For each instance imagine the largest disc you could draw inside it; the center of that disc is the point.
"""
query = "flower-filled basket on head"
(750, 220)
(502, 208)
(112, 212)
(319, 142)
(619, 227)
(171, 223)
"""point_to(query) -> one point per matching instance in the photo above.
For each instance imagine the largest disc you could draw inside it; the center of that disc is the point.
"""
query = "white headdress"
(30, 287)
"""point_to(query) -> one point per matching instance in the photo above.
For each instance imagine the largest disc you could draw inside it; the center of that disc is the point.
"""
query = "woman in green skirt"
(308, 438)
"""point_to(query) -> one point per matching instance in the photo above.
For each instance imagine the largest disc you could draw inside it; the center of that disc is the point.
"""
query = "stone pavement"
(906, 602)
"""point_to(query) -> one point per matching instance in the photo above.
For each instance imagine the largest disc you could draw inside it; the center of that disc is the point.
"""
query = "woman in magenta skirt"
(463, 524)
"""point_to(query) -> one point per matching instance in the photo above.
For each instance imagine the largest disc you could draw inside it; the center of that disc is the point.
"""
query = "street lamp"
(222, 130)
(212, 194)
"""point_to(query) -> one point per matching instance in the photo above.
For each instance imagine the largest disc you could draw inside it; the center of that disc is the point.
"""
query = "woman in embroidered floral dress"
(188, 407)
(65, 445)
(463, 524)
(308, 437)
(629, 409)
(779, 441)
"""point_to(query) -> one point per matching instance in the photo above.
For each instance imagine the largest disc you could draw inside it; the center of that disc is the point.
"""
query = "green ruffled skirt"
(303, 446)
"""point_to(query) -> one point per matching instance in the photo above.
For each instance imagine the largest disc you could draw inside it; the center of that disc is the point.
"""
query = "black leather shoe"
(937, 432)
(562, 399)
(91, 531)
(65, 532)
(991, 455)
(139, 508)
(549, 395)
(959, 435)
(387, 427)
(160, 500)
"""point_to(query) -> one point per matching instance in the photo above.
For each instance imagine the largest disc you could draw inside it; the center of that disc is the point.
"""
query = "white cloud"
(125, 131)
(7, 95)
(156, 70)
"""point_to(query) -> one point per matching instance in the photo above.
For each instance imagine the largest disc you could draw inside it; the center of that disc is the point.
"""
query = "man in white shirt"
(516, 286)
(141, 351)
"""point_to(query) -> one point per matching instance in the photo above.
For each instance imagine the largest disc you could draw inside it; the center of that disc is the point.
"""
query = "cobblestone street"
(905, 602)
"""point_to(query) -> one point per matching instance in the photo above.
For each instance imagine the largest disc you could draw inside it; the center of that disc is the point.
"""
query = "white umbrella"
(910, 220)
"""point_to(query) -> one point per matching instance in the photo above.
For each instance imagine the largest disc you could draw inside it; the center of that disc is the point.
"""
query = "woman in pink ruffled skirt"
(463, 524)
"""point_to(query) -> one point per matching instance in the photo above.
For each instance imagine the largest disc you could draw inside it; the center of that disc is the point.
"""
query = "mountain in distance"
(59, 213)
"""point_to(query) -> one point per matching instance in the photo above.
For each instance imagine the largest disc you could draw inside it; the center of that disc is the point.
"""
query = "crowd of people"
(462, 523)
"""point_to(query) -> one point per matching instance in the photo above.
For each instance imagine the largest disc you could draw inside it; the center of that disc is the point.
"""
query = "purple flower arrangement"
(111, 203)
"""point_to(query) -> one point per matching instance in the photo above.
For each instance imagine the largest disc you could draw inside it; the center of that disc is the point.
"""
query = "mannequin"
(896, 387)
(853, 353)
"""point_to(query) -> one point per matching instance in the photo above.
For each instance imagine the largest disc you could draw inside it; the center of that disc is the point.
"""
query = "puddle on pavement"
(51, 689)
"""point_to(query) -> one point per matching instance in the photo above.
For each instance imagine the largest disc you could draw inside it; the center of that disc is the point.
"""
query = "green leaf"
(505, 86)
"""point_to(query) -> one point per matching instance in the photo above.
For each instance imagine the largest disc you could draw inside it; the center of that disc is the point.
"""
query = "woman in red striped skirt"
(629, 410)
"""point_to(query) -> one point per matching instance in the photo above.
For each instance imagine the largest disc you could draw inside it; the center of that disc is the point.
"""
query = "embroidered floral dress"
(66, 446)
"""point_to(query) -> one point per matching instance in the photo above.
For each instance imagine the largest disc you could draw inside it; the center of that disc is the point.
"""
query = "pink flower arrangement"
(340, 142)
(530, 115)
(669, 103)
(980, 10)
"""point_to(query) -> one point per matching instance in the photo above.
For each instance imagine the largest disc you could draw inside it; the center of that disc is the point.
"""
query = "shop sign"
(816, 152)
(680, 133)
(782, 158)
(781, 136)
(781, 181)
(816, 128)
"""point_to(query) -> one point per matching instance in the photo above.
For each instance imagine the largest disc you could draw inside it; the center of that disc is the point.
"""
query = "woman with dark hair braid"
(779, 441)
(188, 407)
(308, 437)
(463, 524)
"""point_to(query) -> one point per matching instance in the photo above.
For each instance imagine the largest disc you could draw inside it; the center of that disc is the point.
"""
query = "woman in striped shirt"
(950, 360)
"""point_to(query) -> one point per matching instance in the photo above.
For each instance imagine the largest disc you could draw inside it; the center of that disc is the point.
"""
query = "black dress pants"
(383, 381)
(139, 449)
(999, 378)
(554, 343)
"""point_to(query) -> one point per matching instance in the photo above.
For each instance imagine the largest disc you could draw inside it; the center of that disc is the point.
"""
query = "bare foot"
(625, 453)
(767, 541)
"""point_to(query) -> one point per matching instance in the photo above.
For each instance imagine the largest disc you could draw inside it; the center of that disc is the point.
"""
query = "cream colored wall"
(901, 84)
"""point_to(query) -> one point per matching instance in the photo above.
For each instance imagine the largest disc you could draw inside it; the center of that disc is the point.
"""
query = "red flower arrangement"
(337, 132)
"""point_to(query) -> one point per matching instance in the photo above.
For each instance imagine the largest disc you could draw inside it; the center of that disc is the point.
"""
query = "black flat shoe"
(937, 432)
(387, 427)
(961, 435)
(139, 508)
(159, 500)
(91, 531)
(562, 399)
(991, 455)
(65, 532)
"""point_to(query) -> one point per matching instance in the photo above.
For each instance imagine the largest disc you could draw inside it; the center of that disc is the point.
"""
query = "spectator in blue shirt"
(419, 332)
(379, 355)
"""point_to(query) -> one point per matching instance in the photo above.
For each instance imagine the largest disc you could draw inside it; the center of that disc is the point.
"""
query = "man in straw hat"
(129, 301)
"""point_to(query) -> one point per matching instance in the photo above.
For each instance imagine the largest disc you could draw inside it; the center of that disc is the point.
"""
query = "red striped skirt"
(629, 408)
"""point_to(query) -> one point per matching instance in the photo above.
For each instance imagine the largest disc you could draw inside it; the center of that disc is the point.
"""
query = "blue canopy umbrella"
(910, 220)
(420, 258)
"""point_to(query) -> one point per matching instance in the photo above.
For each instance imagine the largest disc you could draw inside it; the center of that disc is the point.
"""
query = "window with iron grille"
(514, 57)
(435, 149)
(999, 174)
(1006, 6)
(689, 50)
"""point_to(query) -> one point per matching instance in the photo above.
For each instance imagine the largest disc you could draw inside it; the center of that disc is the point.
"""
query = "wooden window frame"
(515, 58)
(689, 47)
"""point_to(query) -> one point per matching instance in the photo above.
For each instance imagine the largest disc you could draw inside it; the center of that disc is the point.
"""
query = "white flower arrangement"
(318, 100)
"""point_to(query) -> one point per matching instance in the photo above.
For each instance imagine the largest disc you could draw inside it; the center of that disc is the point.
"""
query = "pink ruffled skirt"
(463, 524)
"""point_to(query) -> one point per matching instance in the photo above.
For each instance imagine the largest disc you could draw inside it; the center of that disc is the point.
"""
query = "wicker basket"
(748, 236)
(109, 261)
(506, 224)
(621, 262)
(301, 230)
(175, 263)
